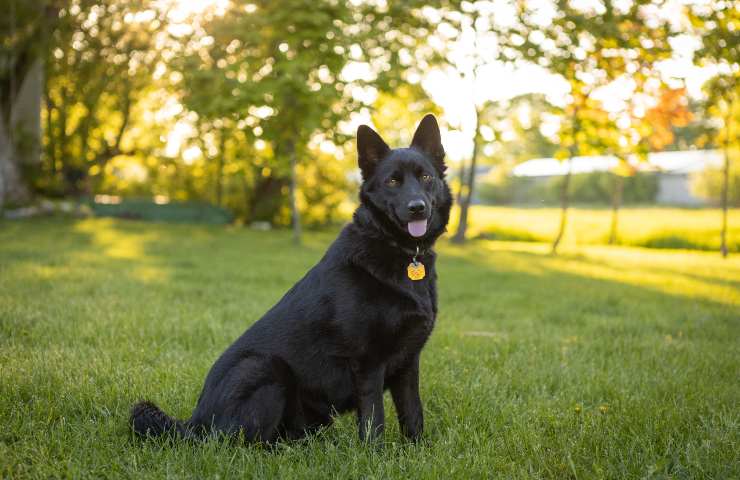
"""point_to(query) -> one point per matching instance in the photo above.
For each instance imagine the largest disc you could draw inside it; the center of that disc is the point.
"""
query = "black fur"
(352, 327)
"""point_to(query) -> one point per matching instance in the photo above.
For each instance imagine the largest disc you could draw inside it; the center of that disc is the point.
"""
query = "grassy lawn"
(602, 362)
(641, 227)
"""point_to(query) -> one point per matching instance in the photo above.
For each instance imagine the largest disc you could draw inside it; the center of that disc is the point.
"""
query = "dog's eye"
(392, 182)
(426, 178)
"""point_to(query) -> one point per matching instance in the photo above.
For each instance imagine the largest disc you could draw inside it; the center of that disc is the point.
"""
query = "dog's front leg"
(368, 385)
(405, 391)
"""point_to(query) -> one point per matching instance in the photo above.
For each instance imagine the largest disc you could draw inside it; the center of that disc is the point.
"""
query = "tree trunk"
(63, 142)
(462, 183)
(565, 191)
(12, 188)
(296, 216)
(51, 152)
(725, 187)
(616, 203)
(26, 114)
(21, 88)
(20, 134)
(466, 199)
(267, 198)
(564, 200)
(246, 192)
(220, 166)
(106, 151)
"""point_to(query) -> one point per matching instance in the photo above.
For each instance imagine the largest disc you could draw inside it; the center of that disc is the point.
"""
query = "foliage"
(671, 112)
(278, 71)
(325, 188)
(718, 25)
(141, 209)
(276, 68)
(589, 46)
(596, 188)
(609, 363)
(697, 133)
(524, 141)
(587, 188)
(523, 124)
(110, 48)
(469, 44)
(229, 105)
(499, 187)
(708, 185)
(260, 83)
(396, 113)
(23, 39)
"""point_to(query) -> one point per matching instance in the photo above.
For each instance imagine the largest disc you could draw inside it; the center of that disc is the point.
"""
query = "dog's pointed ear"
(428, 140)
(370, 150)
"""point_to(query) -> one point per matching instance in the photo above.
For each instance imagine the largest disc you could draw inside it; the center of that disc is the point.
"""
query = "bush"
(707, 184)
(587, 188)
(598, 187)
(677, 240)
(143, 209)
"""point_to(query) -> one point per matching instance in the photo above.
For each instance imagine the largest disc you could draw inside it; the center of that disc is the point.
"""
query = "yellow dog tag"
(416, 271)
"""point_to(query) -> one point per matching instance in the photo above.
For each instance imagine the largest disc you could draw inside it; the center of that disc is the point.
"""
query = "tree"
(527, 116)
(24, 32)
(100, 63)
(709, 185)
(718, 25)
(670, 112)
(277, 67)
(589, 46)
(397, 112)
(283, 70)
(473, 49)
(587, 130)
(647, 121)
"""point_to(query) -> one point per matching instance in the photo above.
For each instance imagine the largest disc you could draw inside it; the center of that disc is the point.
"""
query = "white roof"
(681, 162)
(686, 161)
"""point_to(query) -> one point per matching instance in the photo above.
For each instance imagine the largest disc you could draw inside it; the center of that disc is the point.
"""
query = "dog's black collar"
(414, 253)
(417, 250)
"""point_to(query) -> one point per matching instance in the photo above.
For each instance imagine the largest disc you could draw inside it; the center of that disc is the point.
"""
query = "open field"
(642, 227)
(603, 362)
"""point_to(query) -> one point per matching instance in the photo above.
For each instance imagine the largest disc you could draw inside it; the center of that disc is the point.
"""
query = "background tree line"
(248, 104)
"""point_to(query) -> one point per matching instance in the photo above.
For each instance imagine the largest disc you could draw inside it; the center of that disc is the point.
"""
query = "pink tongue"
(417, 228)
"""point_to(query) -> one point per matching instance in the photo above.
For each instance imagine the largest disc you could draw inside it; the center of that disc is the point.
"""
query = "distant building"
(672, 168)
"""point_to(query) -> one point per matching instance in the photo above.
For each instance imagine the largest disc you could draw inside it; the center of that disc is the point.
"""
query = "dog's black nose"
(417, 206)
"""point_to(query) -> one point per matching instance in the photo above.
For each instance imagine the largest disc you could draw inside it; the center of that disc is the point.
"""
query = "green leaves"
(591, 47)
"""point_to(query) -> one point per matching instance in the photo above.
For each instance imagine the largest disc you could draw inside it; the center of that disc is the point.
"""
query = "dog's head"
(405, 188)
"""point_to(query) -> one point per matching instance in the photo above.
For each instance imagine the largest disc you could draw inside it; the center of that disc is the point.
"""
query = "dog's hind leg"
(259, 416)
(248, 398)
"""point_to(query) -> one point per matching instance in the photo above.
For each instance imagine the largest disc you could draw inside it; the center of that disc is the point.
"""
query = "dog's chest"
(404, 319)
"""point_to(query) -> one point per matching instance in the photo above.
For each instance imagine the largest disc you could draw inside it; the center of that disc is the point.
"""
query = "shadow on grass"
(671, 241)
(507, 283)
(675, 241)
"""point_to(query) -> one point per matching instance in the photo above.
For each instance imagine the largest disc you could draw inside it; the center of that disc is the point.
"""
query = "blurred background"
(581, 121)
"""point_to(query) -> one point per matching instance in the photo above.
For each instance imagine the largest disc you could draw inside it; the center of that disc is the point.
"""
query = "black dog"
(352, 327)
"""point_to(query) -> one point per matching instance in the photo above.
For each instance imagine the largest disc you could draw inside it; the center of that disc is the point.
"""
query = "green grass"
(653, 227)
(600, 363)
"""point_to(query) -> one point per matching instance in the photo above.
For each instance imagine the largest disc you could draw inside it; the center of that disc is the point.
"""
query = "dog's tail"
(147, 419)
